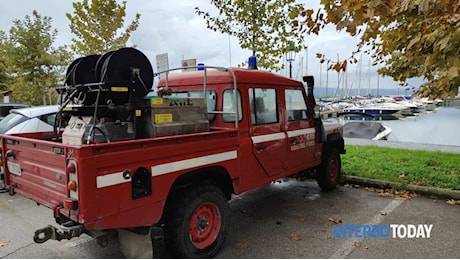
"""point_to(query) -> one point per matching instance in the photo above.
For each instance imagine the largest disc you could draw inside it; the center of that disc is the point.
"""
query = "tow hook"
(67, 230)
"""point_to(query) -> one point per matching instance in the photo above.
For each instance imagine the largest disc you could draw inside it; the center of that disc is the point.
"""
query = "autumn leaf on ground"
(453, 202)
(357, 244)
(295, 237)
(401, 194)
(243, 245)
(7, 243)
(365, 247)
(335, 220)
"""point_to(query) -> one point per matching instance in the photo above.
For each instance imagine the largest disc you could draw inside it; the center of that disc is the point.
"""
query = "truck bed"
(36, 168)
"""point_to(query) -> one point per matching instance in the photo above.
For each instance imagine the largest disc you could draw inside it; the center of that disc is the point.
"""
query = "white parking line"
(348, 246)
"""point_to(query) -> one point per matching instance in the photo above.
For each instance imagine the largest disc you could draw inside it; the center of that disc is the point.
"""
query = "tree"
(4, 50)
(412, 38)
(97, 25)
(32, 65)
(261, 26)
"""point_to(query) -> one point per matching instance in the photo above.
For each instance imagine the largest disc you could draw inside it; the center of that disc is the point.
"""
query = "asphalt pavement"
(285, 219)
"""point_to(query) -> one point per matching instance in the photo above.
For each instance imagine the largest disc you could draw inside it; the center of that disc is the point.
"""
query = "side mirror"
(317, 112)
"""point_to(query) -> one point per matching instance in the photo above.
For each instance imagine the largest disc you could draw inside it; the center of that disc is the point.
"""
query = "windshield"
(11, 121)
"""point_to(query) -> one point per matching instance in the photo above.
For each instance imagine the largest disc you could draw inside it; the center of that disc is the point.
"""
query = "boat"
(372, 110)
(372, 107)
(364, 126)
(366, 130)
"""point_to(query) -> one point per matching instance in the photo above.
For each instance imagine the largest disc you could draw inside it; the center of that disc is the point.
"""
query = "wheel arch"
(215, 175)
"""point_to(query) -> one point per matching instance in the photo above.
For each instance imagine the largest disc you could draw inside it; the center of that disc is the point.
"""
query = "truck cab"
(273, 116)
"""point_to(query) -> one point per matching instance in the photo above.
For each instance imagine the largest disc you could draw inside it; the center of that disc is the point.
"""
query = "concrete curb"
(443, 193)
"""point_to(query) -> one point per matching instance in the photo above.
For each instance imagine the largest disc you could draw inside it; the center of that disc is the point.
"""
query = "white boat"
(366, 130)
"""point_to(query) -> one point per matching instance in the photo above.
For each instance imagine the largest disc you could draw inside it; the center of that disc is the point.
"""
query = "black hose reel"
(118, 77)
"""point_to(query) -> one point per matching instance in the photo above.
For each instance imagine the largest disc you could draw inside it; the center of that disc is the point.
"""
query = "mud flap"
(134, 245)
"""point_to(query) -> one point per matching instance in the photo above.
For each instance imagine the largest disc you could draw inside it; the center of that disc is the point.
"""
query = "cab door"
(266, 130)
(299, 131)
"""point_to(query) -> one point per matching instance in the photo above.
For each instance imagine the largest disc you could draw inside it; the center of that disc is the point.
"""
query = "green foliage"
(412, 38)
(436, 169)
(4, 50)
(30, 66)
(265, 27)
(97, 24)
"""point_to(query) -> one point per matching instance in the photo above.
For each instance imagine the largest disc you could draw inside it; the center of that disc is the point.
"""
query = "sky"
(172, 27)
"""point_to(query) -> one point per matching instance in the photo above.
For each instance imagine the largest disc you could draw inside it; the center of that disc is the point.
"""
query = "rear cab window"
(228, 105)
(211, 99)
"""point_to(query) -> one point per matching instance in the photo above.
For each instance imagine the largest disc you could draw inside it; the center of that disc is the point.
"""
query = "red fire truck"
(126, 162)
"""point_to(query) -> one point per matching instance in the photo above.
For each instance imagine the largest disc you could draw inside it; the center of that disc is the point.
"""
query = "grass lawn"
(425, 168)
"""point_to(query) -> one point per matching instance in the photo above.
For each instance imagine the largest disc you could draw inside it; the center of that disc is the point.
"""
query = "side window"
(296, 108)
(229, 106)
(263, 106)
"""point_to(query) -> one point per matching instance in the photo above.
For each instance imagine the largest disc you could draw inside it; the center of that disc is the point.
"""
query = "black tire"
(196, 223)
(328, 173)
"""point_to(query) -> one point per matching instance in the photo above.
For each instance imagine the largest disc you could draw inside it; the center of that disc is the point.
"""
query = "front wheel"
(328, 173)
(196, 222)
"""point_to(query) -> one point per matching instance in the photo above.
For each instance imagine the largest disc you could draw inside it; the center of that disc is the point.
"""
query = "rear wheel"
(329, 171)
(196, 222)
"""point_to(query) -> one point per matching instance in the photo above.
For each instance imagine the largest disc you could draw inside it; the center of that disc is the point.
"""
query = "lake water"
(441, 126)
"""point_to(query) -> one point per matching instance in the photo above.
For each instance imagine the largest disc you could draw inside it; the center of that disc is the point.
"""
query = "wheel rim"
(205, 225)
(333, 169)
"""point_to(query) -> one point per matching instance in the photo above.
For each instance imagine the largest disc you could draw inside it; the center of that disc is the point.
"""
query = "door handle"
(260, 148)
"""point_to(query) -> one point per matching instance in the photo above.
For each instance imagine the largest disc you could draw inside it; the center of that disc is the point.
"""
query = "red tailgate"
(35, 169)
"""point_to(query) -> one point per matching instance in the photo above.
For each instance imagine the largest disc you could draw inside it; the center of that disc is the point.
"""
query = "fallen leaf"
(335, 220)
(295, 237)
(365, 247)
(243, 245)
(6, 243)
(453, 202)
(391, 193)
(383, 213)
(357, 244)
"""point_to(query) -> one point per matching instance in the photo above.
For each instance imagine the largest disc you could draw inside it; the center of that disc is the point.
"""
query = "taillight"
(72, 184)
(71, 167)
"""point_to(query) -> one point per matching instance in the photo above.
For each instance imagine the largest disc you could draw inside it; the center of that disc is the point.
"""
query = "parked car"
(6, 107)
(30, 119)
(26, 120)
